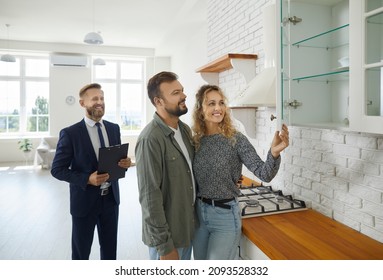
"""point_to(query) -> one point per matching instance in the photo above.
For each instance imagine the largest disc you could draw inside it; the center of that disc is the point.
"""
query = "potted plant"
(25, 145)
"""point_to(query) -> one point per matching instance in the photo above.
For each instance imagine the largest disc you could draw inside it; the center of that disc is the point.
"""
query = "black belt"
(218, 203)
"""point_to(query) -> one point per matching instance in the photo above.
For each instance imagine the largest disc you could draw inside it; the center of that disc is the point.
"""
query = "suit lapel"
(110, 132)
(87, 143)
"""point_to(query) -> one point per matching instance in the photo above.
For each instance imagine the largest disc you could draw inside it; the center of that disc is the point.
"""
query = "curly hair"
(199, 126)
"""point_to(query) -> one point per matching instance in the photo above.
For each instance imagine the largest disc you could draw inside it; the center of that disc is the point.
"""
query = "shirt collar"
(91, 122)
(174, 129)
(165, 128)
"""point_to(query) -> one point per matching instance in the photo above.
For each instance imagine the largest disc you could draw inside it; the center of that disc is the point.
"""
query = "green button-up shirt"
(165, 187)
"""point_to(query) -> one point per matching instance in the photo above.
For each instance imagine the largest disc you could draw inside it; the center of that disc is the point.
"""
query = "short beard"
(177, 112)
(95, 114)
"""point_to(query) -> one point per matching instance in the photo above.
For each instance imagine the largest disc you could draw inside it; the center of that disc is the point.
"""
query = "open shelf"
(243, 63)
(224, 63)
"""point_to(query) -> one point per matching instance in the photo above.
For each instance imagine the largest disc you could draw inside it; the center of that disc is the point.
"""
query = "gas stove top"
(263, 200)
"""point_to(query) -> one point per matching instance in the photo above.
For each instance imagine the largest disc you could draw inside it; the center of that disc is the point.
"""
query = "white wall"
(339, 174)
(65, 81)
(190, 53)
(185, 65)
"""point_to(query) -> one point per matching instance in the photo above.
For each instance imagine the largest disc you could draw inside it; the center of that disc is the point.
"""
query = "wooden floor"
(35, 223)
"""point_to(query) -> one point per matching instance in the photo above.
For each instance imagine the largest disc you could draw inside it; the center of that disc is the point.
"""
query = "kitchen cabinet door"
(366, 93)
(313, 78)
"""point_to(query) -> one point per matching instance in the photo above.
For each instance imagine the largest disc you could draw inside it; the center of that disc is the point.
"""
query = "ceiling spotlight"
(98, 61)
(7, 57)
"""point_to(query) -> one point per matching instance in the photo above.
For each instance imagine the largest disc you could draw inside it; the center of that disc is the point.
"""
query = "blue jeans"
(219, 233)
(184, 253)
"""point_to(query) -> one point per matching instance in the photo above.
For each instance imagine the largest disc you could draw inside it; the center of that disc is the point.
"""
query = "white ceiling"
(157, 24)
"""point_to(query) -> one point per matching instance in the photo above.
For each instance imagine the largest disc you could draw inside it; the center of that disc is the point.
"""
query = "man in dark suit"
(93, 200)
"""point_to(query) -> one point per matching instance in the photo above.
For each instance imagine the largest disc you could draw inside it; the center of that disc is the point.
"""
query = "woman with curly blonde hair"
(200, 127)
(221, 151)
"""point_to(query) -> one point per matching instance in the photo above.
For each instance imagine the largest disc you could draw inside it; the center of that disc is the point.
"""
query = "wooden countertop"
(306, 235)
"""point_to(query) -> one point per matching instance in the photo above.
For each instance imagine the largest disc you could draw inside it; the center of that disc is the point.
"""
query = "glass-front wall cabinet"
(373, 23)
(314, 63)
(366, 45)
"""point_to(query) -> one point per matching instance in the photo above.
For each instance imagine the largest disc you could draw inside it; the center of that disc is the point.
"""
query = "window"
(123, 83)
(24, 96)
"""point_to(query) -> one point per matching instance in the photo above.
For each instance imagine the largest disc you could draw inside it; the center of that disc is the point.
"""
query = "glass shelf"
(336, 75)
(324, 40)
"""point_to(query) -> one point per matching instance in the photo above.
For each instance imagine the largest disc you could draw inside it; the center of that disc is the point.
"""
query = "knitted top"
(217, 165)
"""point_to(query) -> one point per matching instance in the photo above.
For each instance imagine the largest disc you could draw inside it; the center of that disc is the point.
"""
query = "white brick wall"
(337, 173)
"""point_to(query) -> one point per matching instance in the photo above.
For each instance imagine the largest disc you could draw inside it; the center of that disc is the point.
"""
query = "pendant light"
(8, 57)
(98, 61)
(93, 38)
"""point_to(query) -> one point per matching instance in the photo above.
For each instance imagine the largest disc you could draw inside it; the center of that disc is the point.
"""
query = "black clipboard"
(108, 158)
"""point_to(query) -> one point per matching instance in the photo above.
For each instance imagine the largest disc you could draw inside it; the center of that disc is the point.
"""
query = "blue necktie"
(102, 142)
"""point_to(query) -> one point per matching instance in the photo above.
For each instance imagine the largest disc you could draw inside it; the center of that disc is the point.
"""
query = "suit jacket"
(75, 160)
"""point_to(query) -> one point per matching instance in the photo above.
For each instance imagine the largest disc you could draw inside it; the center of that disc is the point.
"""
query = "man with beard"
(76, 162)
(164, 153)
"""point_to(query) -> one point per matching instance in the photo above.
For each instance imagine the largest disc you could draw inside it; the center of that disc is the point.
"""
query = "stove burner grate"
(263, 200)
